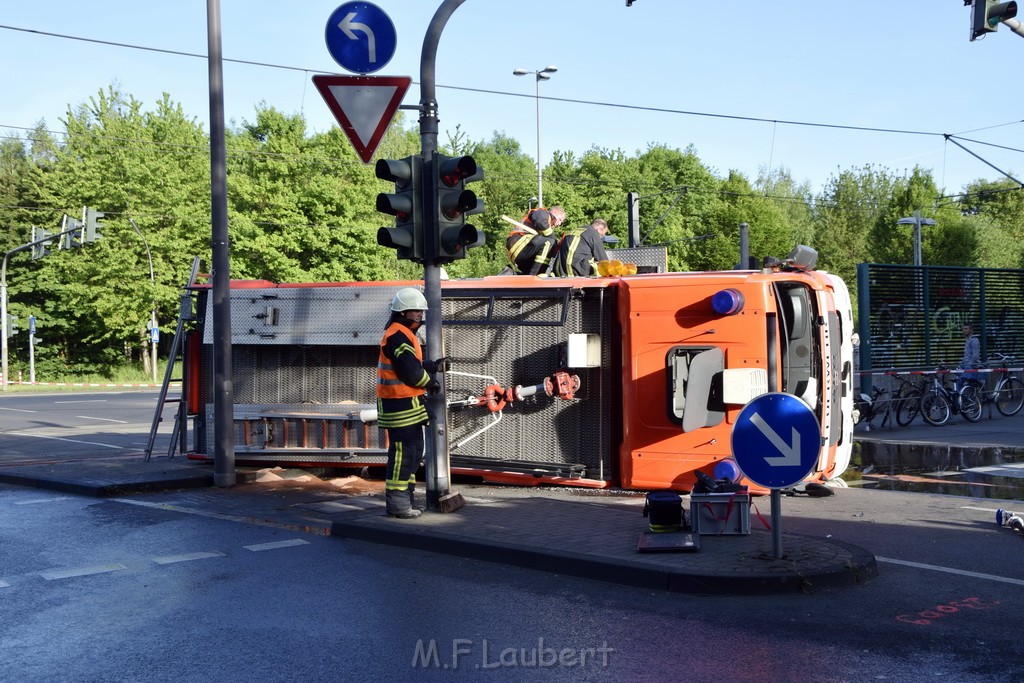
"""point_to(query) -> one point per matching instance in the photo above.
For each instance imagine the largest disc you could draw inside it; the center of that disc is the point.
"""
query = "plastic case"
(716, 514)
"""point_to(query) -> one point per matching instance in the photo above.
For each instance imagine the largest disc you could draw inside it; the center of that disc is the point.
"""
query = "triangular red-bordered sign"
(364, 106)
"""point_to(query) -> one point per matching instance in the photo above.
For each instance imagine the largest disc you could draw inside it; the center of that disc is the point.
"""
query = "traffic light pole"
(438, 467)
(3, 298)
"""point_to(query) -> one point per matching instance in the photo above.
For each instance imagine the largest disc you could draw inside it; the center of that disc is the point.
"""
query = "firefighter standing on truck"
(579, 250)
(530, 250)
(402, 380)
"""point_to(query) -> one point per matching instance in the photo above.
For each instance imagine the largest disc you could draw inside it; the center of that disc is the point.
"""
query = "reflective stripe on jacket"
(389, 385)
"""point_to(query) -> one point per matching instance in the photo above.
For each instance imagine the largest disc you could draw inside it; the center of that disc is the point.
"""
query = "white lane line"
(18, 410)
(275, 545)
(57, 438)
(39, 500)
(80, 571)
(950, 570)
(318, 527)
(105, 419)
(4, 584)
(187, 557)
(91, 400)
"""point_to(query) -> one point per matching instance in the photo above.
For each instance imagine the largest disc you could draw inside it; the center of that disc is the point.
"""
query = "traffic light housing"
(71, 230)
(92, 225)
(40, 245)
(454, 203)
(405, 205)
(12, 325)
(986, 15)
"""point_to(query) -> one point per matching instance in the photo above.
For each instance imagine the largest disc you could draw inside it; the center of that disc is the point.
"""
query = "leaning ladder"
(179, 435)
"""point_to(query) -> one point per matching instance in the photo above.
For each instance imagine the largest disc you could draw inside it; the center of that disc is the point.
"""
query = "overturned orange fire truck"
(630, 381)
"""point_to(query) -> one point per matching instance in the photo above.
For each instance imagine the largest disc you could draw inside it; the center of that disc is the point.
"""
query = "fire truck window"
(695, 399)
(799, 346)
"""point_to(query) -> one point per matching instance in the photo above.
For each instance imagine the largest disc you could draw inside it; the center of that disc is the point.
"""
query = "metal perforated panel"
(911, 316)
(655, 258)
(327, 316)
(509, 339)
(539, 429)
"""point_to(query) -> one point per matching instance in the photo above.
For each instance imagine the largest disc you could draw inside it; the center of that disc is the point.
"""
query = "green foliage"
(301, 209)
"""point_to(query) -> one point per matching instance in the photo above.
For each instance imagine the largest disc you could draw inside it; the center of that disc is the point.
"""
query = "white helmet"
(409, 299)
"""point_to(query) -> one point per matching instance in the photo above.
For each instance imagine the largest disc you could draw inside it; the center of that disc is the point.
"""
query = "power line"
(593, 103)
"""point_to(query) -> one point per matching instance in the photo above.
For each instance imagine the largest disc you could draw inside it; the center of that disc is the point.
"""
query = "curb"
(376, 528)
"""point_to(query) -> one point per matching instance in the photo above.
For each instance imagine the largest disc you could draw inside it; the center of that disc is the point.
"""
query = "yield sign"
(364, 106)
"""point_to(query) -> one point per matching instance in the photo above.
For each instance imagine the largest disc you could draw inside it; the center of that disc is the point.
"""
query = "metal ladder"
(179, 435)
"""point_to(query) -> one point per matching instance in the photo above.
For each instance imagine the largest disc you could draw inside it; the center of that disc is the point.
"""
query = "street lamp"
(917, 222)
(152, 281)
(541, 75)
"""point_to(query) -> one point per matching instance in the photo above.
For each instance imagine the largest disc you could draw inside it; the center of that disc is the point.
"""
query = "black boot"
(412, 499)
(397, 505)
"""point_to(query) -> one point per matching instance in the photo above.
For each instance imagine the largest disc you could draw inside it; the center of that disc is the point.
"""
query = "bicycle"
(1008, 392)
(867, 408)
(940, 403)
(908, 400)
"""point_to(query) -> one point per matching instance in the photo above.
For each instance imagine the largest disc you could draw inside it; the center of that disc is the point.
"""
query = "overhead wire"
(949, 137)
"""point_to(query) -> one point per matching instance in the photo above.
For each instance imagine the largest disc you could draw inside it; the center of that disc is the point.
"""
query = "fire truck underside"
(303, 360)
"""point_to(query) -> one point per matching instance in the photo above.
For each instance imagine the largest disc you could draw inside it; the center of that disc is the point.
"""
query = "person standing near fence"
(971, 359)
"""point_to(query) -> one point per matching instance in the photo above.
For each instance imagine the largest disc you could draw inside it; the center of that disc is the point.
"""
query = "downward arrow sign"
(790, 454)
(349, 28)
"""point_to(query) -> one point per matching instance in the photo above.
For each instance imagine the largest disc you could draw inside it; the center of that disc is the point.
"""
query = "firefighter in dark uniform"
(402, 380)
(579, 250)
(530, 250)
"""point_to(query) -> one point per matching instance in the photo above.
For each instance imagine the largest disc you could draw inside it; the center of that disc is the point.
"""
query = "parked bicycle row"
(898, 397)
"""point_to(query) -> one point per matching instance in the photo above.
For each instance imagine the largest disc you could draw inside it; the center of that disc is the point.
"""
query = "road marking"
(950, 570)
(18, 410)
(58, 438)
(91, 400)
(80, 571)
(105, 419)
(171, 559)
(323, 528)
(39, 500)
(274, 546)
(4, 584)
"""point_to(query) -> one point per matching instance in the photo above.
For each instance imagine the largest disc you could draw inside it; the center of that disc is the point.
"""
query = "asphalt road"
(139, 588)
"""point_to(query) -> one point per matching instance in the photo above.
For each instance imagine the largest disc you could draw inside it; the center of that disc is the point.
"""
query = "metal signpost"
(776, 442)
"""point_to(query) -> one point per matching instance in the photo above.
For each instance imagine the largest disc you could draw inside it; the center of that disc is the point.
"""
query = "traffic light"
(12, 325)
(71, 236)
(986, 15)
(454, 203)
(92, 225)
(404, 205)
(39, 242)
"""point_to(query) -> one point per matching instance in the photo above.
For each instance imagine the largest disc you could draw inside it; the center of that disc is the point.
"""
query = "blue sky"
(894, 64)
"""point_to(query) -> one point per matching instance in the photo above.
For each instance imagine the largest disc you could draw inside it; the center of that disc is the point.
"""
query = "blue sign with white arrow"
(776, 440)
(361, 37)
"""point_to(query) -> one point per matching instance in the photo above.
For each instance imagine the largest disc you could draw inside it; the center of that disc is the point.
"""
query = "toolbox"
(720, 513)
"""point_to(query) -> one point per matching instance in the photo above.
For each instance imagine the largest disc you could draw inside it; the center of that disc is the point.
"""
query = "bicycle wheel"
(970, 403)
(1010, 398)
(935, 409)
(907, 408)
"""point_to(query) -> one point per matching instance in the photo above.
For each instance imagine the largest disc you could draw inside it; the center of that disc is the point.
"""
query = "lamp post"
(917, 222)
(152, 318)
(541, 75)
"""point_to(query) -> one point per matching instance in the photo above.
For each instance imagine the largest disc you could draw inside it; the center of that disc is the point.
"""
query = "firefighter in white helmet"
(402, 380)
